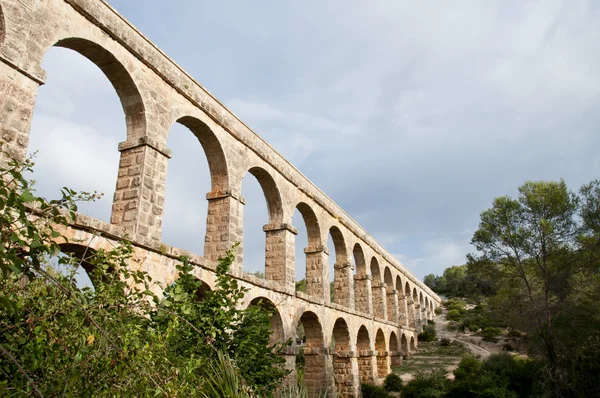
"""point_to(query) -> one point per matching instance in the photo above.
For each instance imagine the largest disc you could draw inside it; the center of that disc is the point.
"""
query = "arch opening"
(413, 347)
(189, 222)
(340, 272)
(379, 304)
(410, 306)
(404, 345)
(341, 361)
(308, 249)
(86, 119)
(365, 357)
(362, 288)
(395, 354)
(80, 259)
(268, 264)
(383, 367)
(311, 358)
(391, 300)
(401, 302)
(277, 334)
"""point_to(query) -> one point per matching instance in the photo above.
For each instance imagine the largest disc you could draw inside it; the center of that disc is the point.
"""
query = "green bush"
(372, 391)
(392, 382)
(438, 310)
(490, 333)
(428, 333)
(454, 315)
(431, 384)
(117, 338)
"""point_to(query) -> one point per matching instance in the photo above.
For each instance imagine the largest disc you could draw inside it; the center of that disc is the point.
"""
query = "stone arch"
(342, 361)
(391, 299)
(365, 361)
(120, 78)
(413, 347)
(394, 349)
(277, 330)
(275, 260)
(410, 305)
(421, 300)
(213, 149)
(401, 301)
(342, 270)
(271, 192)
(404, 345)
(359, 260)
(415, 296)
(315, 254)
(362, 283)
(315, 372)
(377, 290)
(83, 254)
(214, 233)
(382, 354)
(393, 341)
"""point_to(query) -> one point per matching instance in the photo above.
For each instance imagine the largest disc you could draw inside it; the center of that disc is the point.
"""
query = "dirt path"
(427, 358)
(472, 343)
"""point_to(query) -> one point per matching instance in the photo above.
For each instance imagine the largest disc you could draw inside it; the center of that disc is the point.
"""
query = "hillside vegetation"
(535, 271)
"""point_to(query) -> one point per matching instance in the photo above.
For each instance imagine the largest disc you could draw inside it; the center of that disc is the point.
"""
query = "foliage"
(453, 315)
(392, 382)
(490, 333)
(431, 384)
(428, 333)
(301, 285)
(501, 375)
(117, 338)
(372, 391)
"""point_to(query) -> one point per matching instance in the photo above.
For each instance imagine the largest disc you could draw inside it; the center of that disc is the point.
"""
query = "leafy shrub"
(438, 310)
(119, 336)
(490, 333)
(428, 333)
(392, 382)
(454, 315)
(431, 384)
(586, 368)
(445, 342)
(372, 391)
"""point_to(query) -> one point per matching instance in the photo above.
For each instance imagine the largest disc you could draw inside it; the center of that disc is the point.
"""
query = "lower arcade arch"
(383, 367)
(311, 348)
(365, 361)
(277, 330)
(342, 359)
(395, 354)
(404, 345)
(413, 347)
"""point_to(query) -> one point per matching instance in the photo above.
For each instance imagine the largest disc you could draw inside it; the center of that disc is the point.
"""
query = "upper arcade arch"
(362, 282)
(342, 270)
(120, 78)
(215, 156)
(378, 291)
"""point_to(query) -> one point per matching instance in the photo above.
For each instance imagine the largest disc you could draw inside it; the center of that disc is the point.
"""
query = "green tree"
(529, 242)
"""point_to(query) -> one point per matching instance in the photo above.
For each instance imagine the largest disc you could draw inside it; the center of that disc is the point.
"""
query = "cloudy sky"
(412, 116)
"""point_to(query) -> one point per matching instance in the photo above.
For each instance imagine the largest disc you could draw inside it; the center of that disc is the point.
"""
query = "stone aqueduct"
(379, 305)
